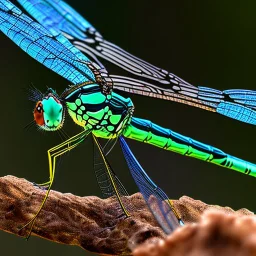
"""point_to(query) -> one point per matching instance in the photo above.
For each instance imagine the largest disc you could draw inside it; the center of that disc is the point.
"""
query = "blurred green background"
(208, 43)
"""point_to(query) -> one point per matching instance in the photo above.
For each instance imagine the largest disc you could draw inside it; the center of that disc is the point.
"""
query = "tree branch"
(92, 223)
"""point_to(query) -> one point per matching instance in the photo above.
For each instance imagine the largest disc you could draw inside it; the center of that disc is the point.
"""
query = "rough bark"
(95, 224)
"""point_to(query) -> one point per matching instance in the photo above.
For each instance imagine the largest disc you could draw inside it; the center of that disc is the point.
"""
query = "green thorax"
(105, 115)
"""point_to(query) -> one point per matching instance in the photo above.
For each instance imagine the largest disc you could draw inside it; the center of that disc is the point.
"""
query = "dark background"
(208, 43)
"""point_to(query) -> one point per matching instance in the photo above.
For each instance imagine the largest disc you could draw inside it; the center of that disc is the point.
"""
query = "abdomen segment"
(148, 132)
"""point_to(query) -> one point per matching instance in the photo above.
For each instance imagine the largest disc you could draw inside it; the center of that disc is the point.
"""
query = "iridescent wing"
(236, 104)
(51, 49)
(157, 201)
(59, 16)
(109, 183)
(107, 179)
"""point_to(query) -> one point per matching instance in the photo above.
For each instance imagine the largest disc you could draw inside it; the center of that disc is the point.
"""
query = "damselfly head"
(49, 112)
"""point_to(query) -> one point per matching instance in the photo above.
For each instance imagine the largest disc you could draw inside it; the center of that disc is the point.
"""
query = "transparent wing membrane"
(105, 175)
(109, 183)
(156, 199)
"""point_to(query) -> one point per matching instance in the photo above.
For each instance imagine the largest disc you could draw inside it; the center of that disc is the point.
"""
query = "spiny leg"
(77, 137)
(53, 153)
(53, 164)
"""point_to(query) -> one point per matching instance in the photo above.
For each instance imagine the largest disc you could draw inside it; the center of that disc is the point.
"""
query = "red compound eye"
(38, 113)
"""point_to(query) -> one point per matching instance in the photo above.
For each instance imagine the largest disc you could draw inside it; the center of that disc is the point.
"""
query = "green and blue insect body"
(105, 115)
(148, 132)
(108, 116)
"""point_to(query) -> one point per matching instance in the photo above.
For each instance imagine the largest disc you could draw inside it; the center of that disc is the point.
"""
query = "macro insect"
(61, 40)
